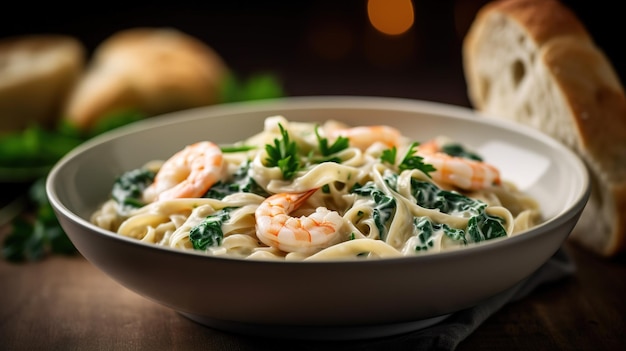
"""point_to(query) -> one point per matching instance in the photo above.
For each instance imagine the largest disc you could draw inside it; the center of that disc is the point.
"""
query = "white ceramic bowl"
(320, 299)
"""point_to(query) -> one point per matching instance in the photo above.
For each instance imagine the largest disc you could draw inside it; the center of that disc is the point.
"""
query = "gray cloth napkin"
(447, 334)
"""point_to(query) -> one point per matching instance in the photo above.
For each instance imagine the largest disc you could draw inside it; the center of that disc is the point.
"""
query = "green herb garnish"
(389, 156)
(409, 161)
(412, 161)
(283, 154)
(236, 148)
(340, 144)
(327, 150)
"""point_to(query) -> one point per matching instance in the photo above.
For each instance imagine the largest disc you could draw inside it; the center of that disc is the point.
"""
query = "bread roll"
(150, 70)
(36, 73)
(534, 62)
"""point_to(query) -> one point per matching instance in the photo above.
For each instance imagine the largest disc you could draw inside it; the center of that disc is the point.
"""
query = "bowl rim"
(578, 201)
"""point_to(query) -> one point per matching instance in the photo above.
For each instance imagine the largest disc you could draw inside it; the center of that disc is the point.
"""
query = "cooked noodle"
(385, 210)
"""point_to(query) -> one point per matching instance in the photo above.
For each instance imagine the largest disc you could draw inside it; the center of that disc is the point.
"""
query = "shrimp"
(306, 234)
(458, 171)
(188, 173)
(364, 136)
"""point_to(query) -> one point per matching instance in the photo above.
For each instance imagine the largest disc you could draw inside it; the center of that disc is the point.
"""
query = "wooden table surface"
(65, 303)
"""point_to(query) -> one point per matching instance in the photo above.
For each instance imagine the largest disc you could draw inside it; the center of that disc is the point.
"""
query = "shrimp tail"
(302, 197)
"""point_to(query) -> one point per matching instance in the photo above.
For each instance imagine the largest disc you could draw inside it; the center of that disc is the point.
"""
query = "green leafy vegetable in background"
(32, 239)
(257, 86)
(39, 148)
(36, 146)
(115, 120)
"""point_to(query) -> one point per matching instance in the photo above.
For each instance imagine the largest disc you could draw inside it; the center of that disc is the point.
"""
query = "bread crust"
(588, 102)
(543, 20)
(597, 102)
(150, 70)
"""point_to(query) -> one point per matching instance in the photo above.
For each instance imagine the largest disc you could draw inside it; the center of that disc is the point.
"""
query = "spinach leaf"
(209, 232)
(425, 230)
(457, 150)
(128, 188)
(384, 205)
(485, 227)
(241, 182)
(480, 227)
(430, 196)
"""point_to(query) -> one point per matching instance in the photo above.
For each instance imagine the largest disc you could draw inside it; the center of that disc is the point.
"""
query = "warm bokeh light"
(392, 17)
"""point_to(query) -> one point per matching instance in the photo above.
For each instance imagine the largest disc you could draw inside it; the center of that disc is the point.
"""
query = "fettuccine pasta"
(308, 191)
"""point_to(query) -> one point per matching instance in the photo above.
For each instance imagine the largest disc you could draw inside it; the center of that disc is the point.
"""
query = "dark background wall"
(316, 47)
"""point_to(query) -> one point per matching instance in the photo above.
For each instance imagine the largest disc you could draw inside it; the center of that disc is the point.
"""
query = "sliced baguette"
(149, 70)
(534, 62)
(36, 74)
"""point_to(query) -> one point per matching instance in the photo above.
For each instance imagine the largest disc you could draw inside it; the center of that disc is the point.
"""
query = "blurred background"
(398, 48)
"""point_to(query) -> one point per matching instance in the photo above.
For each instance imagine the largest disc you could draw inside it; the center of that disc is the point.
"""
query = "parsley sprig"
(327, 150)
(283, 154)
(409, 161)
(389, 156)
(341, 143)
